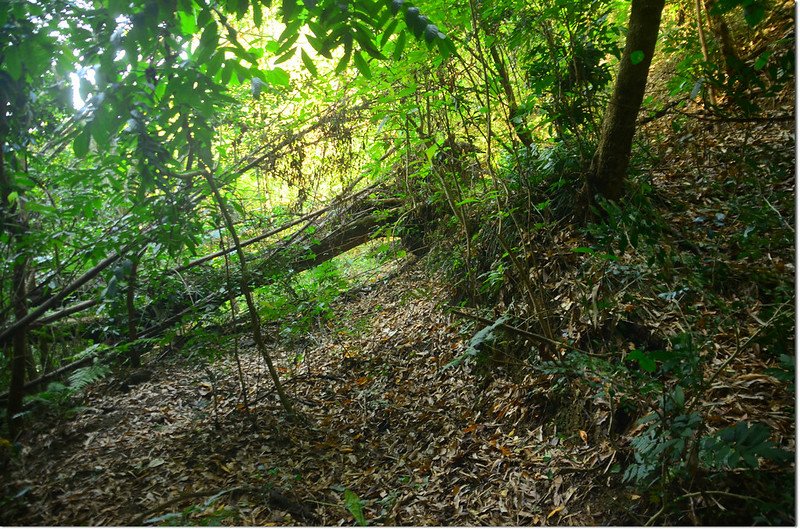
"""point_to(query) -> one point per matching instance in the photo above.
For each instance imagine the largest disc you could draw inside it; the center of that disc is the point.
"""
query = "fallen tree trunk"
(340, 231)
(31, 316)
(52, 375)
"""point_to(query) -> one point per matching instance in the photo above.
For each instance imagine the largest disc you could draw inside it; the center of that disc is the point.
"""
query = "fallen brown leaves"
(418, 444)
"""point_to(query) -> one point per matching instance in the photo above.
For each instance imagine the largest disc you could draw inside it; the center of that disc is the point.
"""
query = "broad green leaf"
(188, 23)
(286, 56)
(399, 45)
(287, 43)
(754, 13)
(103, 126)
(645, 362)
(345, 60)
(309, 64)
(354, 505)
(80, 145)
(388, 32)
(277, 76)
(208, 43)
(289, 8)
(762, 60)
(446, 46)
(679, 396)
(258, 15)
(13, 62)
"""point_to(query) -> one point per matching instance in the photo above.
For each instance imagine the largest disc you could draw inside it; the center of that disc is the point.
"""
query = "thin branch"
(731, 119)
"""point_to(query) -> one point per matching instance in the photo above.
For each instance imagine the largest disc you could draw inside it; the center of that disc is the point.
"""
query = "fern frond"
(84, 376)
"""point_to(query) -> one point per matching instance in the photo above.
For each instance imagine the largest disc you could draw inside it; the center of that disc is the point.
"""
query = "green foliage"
(202, 515)
(660, 452)
(479, 342)
(82, 377)
(355, 506)
(733, 77)
(564, 47)
(636, 225)
(58, 397)
(740, 445)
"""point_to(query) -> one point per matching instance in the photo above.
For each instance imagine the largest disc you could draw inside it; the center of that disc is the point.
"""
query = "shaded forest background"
(486, 263)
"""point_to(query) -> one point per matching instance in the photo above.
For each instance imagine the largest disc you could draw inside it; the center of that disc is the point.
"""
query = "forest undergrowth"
(401, 428)
(373, 263)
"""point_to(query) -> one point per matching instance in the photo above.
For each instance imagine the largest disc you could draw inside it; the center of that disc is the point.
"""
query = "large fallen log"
(341, 230)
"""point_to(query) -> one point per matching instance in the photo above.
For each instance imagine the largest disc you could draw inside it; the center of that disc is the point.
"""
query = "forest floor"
(417, 443)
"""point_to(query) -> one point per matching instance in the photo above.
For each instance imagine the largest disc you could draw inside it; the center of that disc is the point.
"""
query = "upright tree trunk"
(514, 114)
(610, 163)
(701, 34)
(12, 217)
(134, 356)
(19, 348)
(723, 37)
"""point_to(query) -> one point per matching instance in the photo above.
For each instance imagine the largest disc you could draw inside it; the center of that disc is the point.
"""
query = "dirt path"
(416, 443)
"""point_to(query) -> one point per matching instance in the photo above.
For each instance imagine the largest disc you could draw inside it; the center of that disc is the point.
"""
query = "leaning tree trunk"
(255, 319)
(607, 172)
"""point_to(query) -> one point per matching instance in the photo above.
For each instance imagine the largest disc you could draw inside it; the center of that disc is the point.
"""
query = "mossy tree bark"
(610, 163)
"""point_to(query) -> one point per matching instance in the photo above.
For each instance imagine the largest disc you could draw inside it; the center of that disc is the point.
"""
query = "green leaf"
(289, 8)
(583, 249)
(13, 63)
(309, 64)
(446, 47)
(388, 32)
(287, 43)
(362, 65)
(678, 396)
(754, 13)
(103, 126)
(355, 506)
(208, 43)
(80, 145)
(645, 362)
(399, 44)
(637, 56)
(277, 76)
(286, 56)
(343, 62)
(762, 60)
(258, 16)
(188, 23)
